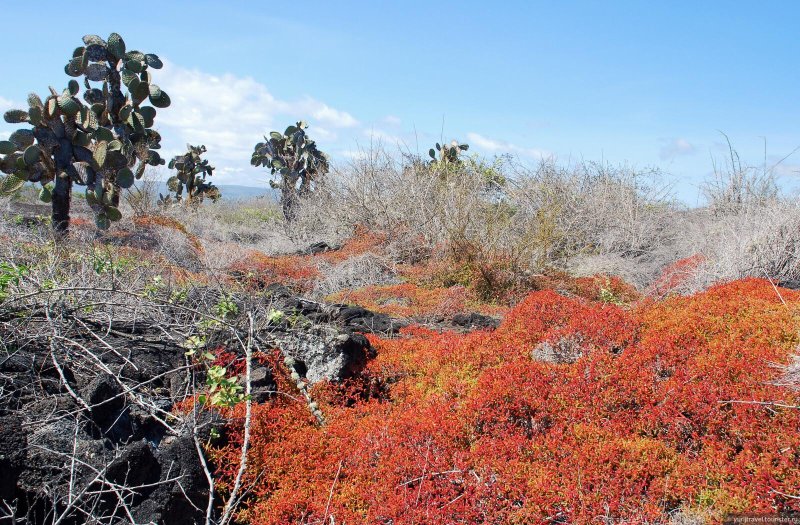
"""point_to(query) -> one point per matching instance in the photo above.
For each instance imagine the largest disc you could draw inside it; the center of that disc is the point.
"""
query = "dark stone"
(791, 284)
(135, 466)
(358, 319)
(475, 321)
(171, 503)
(104, 396)
(319, 247)
(262, 383)
(13, 443)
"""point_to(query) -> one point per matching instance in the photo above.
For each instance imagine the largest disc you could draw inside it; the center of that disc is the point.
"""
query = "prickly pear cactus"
(295, 157)
(103, 142)
(448, 154)
(192, 172)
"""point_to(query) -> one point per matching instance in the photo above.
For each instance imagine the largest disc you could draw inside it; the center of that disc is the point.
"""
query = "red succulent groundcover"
(670, 404)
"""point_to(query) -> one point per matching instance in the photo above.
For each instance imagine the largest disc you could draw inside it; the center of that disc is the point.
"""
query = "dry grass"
(586, 219)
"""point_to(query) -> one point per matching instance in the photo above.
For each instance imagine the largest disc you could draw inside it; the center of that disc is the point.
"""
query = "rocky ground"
(88, 394)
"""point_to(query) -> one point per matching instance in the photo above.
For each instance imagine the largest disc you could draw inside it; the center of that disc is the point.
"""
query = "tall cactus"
(295, 157)
(103, 144)
(192, 172)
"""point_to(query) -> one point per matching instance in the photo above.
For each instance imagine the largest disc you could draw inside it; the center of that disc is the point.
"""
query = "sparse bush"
(142, 197)
(757, 241)
(353, 273)
(736, 186)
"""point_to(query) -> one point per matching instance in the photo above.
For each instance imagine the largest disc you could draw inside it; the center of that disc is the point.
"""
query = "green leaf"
(7, 147)
(134, 55)
(134, 84)
(93, 39)
(102, 221)
(52, 105)
(34, 101)
(103, 134)
(35, 116)
(161, 100)
(125, 112)
(73, 87)
(10, 184)
(22, 138)
(75, 66)
(153, 61)
(125, 178)
(134, 65)
(113, 214)
(275, 135)
(127, 76)
(149, 114)
(16, 116)
(32, 155)
(45, 195)
(68, 106)
(100, 153)
(116, 45)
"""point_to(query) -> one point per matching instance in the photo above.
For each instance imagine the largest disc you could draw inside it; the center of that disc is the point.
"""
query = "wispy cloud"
(5, 128)
(5, 104)
(230, 113)
(392, 120)
(383, 137)
(497, 146)
(675, 147)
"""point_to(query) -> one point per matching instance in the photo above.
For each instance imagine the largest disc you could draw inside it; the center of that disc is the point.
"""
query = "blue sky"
(643, 83)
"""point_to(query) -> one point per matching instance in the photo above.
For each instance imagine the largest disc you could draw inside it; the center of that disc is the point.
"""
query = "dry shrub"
(761, 240)
(355, 272)
(499, 218)
(142, 197)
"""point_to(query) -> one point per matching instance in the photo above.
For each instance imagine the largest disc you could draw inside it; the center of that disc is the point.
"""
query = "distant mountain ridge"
(235, 192)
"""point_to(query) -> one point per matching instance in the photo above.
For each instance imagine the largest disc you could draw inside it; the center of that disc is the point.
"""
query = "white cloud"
(229, 114)
(675, 147)
(383, 137)
(392, 120)
(325, 113)
(353, 154)
(496, 146)
(6, 104)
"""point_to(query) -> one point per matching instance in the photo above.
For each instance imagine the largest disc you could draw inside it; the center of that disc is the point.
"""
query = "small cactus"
(192, 172)
(295, 157)
(449, 154)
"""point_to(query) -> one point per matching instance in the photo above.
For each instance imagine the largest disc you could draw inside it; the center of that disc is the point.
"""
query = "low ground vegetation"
(421, 340)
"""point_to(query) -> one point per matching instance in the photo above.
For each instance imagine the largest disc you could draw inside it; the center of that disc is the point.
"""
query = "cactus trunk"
(289, 203)
(62, 194)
